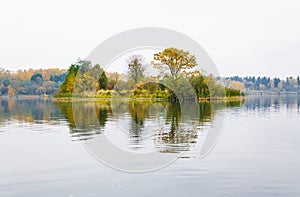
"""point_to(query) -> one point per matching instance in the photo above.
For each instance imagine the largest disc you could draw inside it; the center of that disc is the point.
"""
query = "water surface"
(42, 151)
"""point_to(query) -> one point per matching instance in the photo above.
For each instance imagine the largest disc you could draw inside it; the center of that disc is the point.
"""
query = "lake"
(150, 148)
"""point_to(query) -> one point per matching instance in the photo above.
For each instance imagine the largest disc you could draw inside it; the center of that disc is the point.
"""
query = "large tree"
(68, 85)
(174, 64)
(136, 68)
(174, 60)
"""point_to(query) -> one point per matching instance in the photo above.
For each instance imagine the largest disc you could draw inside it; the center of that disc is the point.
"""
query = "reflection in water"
(28, 111)
(81, 117)
(40, 110)
(139, 111)
(165, 124)
(171, 127)
(272, 103)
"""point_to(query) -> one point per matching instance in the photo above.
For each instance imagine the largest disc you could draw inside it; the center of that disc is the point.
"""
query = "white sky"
(254, 37)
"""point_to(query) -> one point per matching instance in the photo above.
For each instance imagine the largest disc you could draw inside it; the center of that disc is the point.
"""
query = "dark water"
(43, 152)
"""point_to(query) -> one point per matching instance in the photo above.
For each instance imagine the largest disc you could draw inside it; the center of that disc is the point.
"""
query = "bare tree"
(136, 68)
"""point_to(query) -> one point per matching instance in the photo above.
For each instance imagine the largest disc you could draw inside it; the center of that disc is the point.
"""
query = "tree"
(58, 78)
(237, 85)
(276, 82)
(35, 76)
(94, 78)
(84, 77)
(199, 84)
(68, 85)
(10, 91)
(173, 64)
(261, 86)
(280, 85)
(4, 90)
(272, 84)
(6, 82)
(174, 60)
(102, 80)
(49, 87)
(136, 68)
(113, 80)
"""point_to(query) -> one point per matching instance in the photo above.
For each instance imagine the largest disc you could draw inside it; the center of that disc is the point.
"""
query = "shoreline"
(68, 99)
(77, 99)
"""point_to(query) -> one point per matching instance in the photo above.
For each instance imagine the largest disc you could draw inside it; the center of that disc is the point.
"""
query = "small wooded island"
(173, 76)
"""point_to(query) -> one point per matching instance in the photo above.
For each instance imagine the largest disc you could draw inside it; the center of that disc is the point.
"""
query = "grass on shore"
(134, 95)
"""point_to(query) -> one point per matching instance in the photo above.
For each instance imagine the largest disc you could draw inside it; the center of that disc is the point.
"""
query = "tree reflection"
(171, 127)
(138, 111)
(175, 134)
(28, 110)
(85, 118)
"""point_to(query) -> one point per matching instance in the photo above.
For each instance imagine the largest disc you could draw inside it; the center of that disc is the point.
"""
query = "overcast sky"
(243, 37)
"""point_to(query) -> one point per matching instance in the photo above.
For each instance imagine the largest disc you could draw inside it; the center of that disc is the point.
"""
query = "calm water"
(43, 152)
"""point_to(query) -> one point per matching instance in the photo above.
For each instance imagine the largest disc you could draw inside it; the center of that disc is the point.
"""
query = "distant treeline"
(290, 84)
(31, 82)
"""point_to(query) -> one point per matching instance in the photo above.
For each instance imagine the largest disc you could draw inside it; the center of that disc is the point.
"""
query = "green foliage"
(179, 88)
(199, 83)
(233, 93)
(152, 87)
(68, 85)
(83, 77)
(121, 85)
(103, 81)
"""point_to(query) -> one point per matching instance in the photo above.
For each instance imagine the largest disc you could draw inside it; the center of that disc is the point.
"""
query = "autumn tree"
(174, 60)
(174, 65)
(113, 79)
(136, 68)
